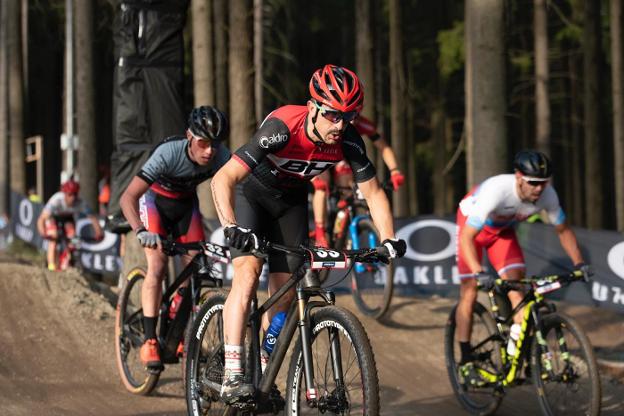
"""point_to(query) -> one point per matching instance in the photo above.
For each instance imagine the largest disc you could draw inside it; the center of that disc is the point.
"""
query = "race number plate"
(322, 258)
(547, 287)
(217, 252)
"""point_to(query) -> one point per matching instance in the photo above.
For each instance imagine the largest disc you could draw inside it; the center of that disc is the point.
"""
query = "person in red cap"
(64, 203)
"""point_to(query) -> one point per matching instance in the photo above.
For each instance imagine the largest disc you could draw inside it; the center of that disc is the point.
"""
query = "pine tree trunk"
(258, 53)
(4, 122)
(591, 103)
(85, 100)
(617, 85)
(398, 106)
(241, 73)
(203, 80)
(220, 18)
(542, 105)
(16, 98)
(203, 53)
(364, 66)
(485, 90)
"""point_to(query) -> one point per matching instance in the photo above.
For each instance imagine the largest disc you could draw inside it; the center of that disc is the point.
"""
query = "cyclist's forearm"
(130, 208)
(568, 241)
(381, 212)
(319, 206)
(223, 197)
(389, 158)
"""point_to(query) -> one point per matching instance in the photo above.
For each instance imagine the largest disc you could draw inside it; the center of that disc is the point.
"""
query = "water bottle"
(514, 334)
(270, 338)
(341, 216)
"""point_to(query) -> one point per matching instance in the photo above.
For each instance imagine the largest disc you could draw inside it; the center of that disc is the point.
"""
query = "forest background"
(456, 87)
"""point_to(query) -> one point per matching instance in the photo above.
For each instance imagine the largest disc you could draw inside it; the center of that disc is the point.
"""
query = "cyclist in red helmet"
(262, 192)
(64, 203)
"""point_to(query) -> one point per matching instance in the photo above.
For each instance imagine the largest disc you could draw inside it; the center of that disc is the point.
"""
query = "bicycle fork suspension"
(306, 350)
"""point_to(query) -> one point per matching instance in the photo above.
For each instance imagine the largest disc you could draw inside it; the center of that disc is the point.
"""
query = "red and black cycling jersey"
(282, 156)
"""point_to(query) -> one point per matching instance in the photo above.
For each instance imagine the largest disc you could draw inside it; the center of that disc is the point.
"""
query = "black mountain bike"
(129, 332)
(332, 368)
(552, 349)
(372, 283)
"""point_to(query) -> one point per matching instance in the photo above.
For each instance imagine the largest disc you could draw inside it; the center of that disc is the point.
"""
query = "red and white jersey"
(495, 204)
(282, 156)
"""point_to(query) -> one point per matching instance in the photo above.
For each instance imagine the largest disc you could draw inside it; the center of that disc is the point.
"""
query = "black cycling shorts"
(280, 218)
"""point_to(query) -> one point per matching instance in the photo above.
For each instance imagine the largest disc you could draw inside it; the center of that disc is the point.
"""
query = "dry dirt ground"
(57, 354)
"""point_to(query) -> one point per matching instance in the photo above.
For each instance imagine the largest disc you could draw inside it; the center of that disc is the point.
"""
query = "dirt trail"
(57, 355)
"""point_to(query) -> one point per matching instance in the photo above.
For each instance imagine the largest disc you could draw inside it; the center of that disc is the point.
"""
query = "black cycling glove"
(240, 238)
(396, 247)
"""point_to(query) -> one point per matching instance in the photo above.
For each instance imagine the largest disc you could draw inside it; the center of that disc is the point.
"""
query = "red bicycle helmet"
(337, 88)
(70, 187)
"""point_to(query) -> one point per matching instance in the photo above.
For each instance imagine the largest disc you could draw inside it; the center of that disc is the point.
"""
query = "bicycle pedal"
(244, 404)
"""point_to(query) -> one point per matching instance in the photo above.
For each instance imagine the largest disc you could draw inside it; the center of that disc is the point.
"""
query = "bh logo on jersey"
(303, 168)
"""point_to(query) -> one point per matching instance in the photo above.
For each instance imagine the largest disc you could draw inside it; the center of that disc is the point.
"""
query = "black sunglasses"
(334, 116)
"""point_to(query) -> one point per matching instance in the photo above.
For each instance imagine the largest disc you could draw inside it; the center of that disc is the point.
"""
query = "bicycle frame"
(172, 331)
(298, 316)
(531, 318)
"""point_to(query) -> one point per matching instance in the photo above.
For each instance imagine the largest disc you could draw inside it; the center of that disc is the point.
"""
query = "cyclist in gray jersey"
(161, 201)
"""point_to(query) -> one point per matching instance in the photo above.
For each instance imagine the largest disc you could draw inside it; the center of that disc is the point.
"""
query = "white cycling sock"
(233, 360)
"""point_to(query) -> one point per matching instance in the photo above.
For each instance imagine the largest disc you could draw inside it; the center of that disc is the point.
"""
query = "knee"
(468, 292)
(246, 278)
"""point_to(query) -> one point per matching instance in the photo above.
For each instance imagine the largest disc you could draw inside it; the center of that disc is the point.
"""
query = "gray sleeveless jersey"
(170, 167)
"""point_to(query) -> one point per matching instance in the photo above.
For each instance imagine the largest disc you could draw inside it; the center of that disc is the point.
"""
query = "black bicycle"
(552, 349)
(129, 332)
(332, 368)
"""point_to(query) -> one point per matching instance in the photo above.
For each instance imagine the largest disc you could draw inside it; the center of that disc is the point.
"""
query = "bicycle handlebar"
(488, 282)
(173, 248)
(364, 255)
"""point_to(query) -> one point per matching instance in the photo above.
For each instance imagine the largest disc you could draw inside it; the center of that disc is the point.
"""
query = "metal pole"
(68, 145)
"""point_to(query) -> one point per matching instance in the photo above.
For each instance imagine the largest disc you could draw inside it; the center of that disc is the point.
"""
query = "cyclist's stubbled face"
(201, 150)
(529, 190)
(330, 132)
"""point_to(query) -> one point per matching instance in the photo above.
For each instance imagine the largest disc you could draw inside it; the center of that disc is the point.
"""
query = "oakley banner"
(429, 265)
(95, 256)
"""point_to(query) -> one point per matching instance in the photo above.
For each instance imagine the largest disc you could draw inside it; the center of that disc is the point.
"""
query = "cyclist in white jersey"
(485, 221)
(64, 204)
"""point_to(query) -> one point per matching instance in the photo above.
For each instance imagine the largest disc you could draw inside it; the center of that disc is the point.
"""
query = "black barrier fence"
(428, 266)
(98, 257)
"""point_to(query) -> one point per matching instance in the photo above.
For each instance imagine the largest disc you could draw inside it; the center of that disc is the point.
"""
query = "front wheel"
(564, 369)
(129, 334)
(205, 358)
(344, 368)
(486, 349)
(371, 284)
